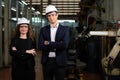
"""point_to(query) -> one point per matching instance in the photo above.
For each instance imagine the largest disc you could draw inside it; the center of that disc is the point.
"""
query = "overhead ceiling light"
(24, 2)
(37, 12)
(3, 4)
(13, 9)
(33, 8)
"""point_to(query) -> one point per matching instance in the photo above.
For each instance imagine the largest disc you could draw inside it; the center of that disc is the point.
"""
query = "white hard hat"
(50, 8)
(23, 21)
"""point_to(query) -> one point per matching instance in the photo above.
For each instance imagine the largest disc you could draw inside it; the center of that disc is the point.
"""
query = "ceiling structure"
(65, 7)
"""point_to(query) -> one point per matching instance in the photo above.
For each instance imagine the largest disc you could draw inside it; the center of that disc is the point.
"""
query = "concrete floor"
(5, 73)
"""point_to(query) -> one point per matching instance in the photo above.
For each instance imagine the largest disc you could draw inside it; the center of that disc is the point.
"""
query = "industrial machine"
(108, 62)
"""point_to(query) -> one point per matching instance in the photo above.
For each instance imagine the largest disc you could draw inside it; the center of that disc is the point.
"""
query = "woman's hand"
(31, 51)
(14, 48)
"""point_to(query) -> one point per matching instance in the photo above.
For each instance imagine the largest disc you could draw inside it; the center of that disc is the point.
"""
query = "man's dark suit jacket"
(59, 46)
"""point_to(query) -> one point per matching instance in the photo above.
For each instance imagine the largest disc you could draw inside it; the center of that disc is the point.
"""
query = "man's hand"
(46, 42)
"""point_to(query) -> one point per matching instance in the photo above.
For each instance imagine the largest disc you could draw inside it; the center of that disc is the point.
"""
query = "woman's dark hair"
(30, 33)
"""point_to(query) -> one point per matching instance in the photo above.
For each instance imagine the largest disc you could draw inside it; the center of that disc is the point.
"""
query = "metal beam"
(6, 32)
(1, 44)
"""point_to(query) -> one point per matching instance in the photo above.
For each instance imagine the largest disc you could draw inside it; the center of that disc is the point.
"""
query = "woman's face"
(23, 29)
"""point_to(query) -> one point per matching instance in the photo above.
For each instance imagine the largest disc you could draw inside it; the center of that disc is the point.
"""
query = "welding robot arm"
(107, 61)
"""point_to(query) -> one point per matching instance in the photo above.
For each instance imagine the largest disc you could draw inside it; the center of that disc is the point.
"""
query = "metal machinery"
(107, 62)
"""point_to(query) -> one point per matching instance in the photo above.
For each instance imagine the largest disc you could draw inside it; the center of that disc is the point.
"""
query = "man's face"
(52, 17)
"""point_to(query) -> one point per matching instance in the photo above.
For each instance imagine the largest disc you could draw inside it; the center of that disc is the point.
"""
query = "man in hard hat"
(53, 41)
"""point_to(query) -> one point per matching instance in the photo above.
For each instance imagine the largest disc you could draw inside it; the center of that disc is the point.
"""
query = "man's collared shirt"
(53, 31)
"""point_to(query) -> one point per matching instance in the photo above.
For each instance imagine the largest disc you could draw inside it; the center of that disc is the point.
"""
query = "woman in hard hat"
(22, 50)
(53, 41)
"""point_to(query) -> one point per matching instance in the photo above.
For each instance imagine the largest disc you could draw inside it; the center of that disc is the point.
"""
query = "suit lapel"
(48, 32)
(58, 31)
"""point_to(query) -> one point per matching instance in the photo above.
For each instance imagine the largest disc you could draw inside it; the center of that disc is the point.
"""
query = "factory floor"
(5, 73)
